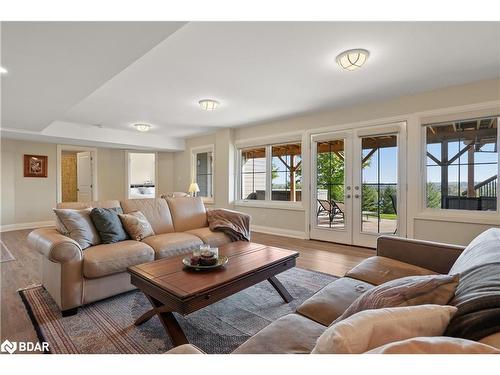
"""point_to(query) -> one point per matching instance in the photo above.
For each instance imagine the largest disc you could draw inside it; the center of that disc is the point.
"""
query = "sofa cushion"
(103, 260)
(492, 340)
(108, 224)
(188, 213)
(370, 329)
(434, 345)
(136, 225)
(289, 334)
(78, 225)
(378, 270)
(212, 238)
(171, 244)
(406, 291)
(478, 295)
(155, 210)
(331, 301)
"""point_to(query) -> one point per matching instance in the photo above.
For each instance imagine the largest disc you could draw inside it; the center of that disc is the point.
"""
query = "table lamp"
(193, 189)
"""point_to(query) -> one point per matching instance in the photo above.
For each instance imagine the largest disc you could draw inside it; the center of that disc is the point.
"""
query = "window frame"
(267, 202)
(200, 150)
(454, 215)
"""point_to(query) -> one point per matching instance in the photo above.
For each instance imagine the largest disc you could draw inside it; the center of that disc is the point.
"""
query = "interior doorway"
(142, 172)
(76, 174)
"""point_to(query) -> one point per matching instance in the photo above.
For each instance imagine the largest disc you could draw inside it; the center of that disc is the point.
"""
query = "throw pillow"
(78, 226)
(370, 329)
(136, 225)
(435, 345)
(406, 291)
(108, 224)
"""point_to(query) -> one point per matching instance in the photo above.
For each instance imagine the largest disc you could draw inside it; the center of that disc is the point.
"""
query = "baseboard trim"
(32, 225)
(279, 231)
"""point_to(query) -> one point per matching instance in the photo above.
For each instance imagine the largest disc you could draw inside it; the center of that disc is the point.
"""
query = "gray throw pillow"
(108, 224)
(78, 226)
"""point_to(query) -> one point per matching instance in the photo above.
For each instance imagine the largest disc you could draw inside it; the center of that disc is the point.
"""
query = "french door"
(356, 184)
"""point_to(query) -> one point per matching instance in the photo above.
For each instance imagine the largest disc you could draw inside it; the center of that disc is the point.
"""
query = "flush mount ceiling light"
(208, 104)
(3, 70)
(142, 127)
(352, 59)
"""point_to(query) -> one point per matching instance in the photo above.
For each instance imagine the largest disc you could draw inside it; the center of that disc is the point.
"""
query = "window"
(462, 164)
(253, 173)
(203, 170)
(271, 173)
(286, 173)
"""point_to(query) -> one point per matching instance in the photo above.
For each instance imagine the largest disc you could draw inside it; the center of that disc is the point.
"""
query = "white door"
(84, 176)
(355, 187)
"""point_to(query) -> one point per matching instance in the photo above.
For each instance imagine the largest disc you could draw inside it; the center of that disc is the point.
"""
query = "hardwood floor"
(25, 270)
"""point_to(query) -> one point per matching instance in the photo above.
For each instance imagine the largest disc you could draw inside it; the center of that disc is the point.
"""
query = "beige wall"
(296, 221)
(28, 200)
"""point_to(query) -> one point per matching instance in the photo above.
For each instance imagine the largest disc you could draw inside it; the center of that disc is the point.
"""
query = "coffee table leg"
(280, 289)
(168, 320)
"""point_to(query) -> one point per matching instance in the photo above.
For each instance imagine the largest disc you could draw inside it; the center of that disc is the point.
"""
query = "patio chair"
(332, 208)
(394, 202)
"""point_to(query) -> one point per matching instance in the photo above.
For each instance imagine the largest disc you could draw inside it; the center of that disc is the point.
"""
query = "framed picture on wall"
(35, 165)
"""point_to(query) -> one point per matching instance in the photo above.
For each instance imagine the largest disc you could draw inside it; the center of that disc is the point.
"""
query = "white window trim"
(267, 203)
(452, 215)
(198, 150)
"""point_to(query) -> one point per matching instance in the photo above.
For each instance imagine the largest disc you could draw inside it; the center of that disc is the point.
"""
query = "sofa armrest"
(55, 246)
(185, 349)
(434, 256)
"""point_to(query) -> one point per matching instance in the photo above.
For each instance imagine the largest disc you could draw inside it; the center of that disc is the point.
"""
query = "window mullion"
(269, 163)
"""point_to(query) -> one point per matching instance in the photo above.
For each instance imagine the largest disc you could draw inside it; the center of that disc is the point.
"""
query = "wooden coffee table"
(172, 288)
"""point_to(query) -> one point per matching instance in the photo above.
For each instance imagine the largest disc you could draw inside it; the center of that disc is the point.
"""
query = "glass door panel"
(379, 182)
(330, 184)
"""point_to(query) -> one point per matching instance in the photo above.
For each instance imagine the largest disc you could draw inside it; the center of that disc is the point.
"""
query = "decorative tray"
(221, 261)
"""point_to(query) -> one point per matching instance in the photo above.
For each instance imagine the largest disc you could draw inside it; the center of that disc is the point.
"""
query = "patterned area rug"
(107, 326)
(5, 254)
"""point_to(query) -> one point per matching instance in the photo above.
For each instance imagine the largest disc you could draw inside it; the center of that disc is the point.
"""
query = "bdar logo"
(8, 346)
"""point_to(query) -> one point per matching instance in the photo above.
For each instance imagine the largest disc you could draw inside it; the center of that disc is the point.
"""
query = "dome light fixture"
(3, 70)
(142, 127)
(352, 59)
(208, 104)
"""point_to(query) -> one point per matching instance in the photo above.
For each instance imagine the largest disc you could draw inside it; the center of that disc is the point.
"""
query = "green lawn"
(388, 216)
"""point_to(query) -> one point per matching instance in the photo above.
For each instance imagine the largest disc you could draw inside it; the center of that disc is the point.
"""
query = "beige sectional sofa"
(477, 296)
(75, 277)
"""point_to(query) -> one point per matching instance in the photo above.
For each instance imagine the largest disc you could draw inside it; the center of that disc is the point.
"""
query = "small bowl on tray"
(205, 264)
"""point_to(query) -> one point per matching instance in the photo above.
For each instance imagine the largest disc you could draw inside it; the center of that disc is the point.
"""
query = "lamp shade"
(193, 188)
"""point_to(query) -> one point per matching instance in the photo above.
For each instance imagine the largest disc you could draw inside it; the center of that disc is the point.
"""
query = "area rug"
(5, 254)
(107, 326)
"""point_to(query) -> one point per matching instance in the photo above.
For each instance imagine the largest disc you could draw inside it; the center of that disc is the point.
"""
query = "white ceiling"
(116, 74)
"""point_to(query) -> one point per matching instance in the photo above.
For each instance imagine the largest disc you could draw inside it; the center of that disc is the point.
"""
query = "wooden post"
(292, 178)
(471, 192)
(444, 172)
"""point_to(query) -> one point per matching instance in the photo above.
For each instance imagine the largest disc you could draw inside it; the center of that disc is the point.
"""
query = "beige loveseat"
(75, 277)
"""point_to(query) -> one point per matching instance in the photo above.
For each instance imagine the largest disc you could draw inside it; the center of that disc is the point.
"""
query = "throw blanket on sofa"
(235, 224)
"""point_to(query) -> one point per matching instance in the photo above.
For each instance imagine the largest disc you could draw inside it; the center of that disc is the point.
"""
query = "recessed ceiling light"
(142, 127)
(352, 59)
(3, 70)
(208, 104)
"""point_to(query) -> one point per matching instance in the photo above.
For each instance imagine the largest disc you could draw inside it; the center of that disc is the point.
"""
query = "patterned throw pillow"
(406, 291)
(136, 225)
(77, 225)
